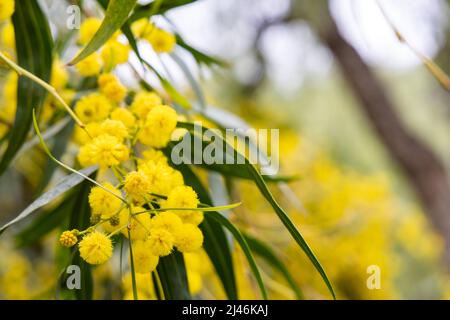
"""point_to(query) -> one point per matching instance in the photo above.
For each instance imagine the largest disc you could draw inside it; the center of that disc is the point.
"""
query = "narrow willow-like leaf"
(34, 53)
(65, 184)
(245, 248)
(200, 57)
(215, 243)
(115, 16)
(46, 222)
(171, 91)
(264, 190)
(191, 79)
(146, 11)
(172, 274)
(262, 250)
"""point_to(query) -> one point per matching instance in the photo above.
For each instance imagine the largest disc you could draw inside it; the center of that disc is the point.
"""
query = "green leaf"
(264, 190)
(115, 16)
(80, 219)
(191, 79)
(215, 241)
(172, 273)
(145, 11)
(265, 252)
(68, 182)
(245, 248)
(236, 170)
(46, 222)
(171, 91)
(34, 47)
(199, 56)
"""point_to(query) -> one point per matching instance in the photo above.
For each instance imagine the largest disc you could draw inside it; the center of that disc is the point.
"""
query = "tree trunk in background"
(423, 169)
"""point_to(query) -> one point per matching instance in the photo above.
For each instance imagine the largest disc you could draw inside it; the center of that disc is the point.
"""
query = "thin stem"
(22, 72)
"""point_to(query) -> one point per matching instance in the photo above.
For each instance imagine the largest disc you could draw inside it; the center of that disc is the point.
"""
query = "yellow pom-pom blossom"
(168, 221)
(103, 202)
(7, 36)
(111, 87)
(161, 242)
(93, 107)
(184, 197)
(142, 28)
(162, 41)
(161, 121)
(59, 75)
(80, 135)
(156, 156)
(89, 66)
(87, 29)
(95, 248)
(68, 238)
(114, 53)
(104, 150)
(114, 128)
(137, 186)
(189, 238)
(6, 9)
(144, 261)
(139, 223)
(163, 178)
(143, 102)
(125, 116)
(116, 222)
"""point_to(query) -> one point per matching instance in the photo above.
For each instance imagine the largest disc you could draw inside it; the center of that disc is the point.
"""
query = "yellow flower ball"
(87, 29)
(168, 221)
(156, 156)
(189, 238)
(139, 223)
(68, 238)
(161, 242)
(59, 75)
(125, 116)
(143, 102)
(103, 202)
(93, 107)
(114, 128)
(161, 121)
(137, 186)
(184, 197)
(144, 261)
(6, 9)
(111, 87)
(89, 66)
(163, 178)
(95, 248)
(142, 28)
(81, 137)
(104, 150)
(162, 41)
(114, 53)
(7, 36)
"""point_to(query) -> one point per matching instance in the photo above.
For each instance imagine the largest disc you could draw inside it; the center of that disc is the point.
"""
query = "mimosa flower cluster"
(139, 195)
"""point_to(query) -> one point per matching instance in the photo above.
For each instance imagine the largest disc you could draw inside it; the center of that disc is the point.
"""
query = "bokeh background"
(363, 123)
